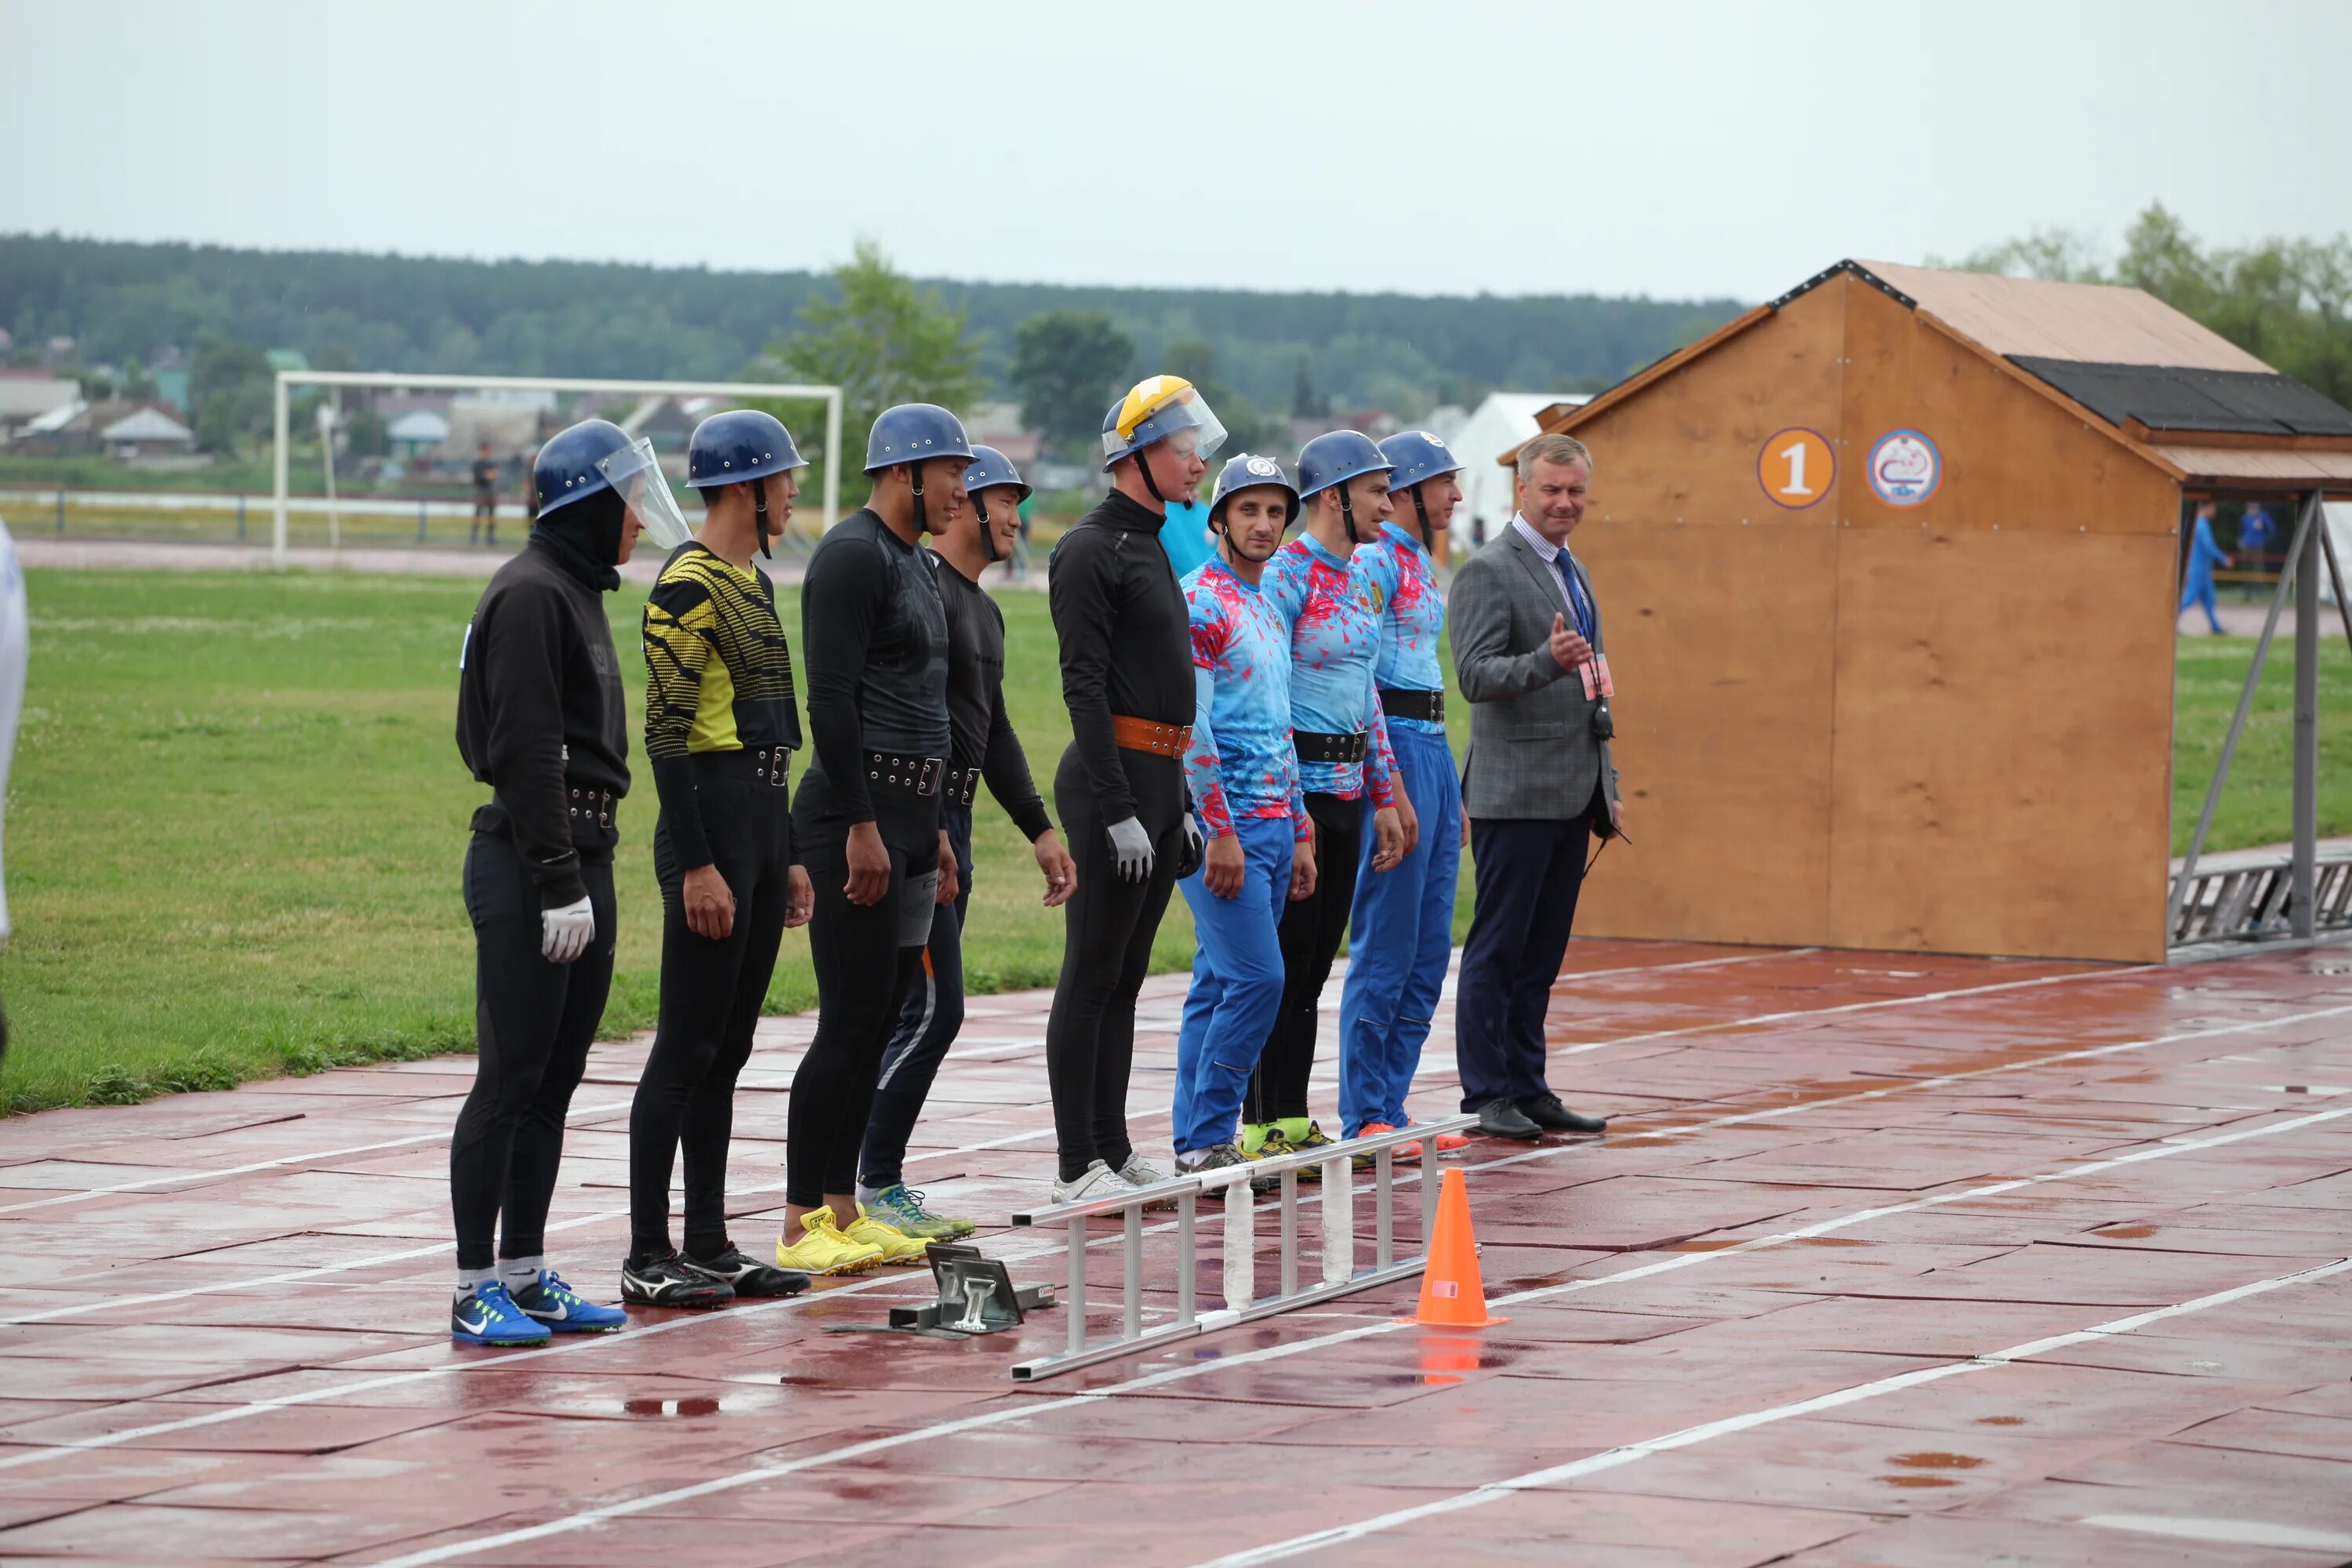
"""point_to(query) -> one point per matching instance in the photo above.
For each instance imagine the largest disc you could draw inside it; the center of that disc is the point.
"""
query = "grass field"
(235, 821)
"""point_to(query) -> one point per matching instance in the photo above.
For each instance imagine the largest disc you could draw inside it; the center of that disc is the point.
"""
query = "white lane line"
(1297, 1347)
(1689, 1436)
(283, 1160)
(2227, 1532)
(1789, 1017)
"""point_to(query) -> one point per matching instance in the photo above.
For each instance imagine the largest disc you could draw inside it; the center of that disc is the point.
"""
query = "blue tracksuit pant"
(1236, 985)
(2198, 590)
(1400, 938)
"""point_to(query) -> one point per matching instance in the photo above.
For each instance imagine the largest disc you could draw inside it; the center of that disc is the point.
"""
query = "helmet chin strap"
(1427, 542)
(1347, 511)
(760, 513)
(915, 482)
(987, 527)
(1143, 467)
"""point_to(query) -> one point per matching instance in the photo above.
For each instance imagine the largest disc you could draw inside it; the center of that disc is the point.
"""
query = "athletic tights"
(710, 997)
(928, 1025)
(533, 1021)
(1105, 953)
(1311, 931)
(863, 975)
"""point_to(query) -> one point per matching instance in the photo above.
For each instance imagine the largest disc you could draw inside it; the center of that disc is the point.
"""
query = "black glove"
(1196, 847)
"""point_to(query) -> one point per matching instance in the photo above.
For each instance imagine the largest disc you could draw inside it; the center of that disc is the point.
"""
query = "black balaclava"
(585, 536)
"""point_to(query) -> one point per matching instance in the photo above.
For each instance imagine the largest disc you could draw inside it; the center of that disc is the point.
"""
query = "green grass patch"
(237, 815)
(2258, 802)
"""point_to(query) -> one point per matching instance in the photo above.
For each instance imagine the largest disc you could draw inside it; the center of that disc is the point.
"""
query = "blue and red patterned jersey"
(1241, 762)
(1402, 581)
(1335, 636)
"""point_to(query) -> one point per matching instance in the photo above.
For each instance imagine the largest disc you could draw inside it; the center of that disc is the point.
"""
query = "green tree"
(1306, 403)
(230, 386)
(1195, 359)
(1066, 368)
(883, 341)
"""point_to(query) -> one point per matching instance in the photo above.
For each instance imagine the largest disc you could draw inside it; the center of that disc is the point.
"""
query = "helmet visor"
(1185, 417)
(634, 474)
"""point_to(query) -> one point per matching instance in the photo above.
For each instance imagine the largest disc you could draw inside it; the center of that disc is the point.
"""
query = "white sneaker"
(1096, 1180)
(1140, 1171)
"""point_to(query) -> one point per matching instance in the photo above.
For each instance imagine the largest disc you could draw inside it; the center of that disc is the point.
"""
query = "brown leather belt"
(1144, 735)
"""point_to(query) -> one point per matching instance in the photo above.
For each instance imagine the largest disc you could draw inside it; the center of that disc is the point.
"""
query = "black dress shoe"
(1546, 1112)
(1501, 1119)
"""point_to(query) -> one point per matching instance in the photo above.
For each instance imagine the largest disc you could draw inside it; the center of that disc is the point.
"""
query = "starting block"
(977, 1295)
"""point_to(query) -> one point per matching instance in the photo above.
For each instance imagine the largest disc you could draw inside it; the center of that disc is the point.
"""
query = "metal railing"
(1238, 1281)
(2247, 898)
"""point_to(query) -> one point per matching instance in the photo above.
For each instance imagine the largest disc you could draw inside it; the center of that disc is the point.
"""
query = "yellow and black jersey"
(718, 677)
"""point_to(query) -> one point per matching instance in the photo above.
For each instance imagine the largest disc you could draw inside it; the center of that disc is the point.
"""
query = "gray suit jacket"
(1532, 751)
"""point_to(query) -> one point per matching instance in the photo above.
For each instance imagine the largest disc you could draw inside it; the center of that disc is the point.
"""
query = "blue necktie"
(1576, 603)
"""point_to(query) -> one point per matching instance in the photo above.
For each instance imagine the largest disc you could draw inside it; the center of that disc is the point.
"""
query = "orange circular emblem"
(1796, 468)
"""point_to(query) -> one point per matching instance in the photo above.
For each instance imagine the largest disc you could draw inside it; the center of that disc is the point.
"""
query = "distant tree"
(1306, 403)
(1195, 359)
(883, 341)
(363, 434)
(230, 387)
(2052, 253)
(1066, 368)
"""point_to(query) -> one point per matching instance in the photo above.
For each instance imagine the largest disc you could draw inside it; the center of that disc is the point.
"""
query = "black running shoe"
(749, 1275)
(672, 1281)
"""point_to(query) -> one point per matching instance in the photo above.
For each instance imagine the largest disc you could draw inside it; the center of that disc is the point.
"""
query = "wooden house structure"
(1890, 568)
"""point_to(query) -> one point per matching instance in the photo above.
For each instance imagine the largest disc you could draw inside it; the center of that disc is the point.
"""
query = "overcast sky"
(1449, 147)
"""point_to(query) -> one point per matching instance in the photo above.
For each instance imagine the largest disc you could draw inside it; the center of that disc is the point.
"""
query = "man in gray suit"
(1537, 784)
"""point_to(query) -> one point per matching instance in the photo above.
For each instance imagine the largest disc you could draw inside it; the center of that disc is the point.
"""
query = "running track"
(1888, 1260)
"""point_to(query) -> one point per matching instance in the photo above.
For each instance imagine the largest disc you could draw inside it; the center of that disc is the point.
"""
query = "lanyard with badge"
(1593, 671)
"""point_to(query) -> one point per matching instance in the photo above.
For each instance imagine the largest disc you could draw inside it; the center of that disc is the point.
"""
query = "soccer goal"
(576, 390)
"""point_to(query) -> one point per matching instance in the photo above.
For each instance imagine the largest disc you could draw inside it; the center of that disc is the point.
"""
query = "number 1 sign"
(1796, 468)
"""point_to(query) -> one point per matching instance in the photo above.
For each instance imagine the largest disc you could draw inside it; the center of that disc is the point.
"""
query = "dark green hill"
(123, 300)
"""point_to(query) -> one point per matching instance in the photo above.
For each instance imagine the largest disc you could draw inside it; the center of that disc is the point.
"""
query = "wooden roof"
(2089, 322)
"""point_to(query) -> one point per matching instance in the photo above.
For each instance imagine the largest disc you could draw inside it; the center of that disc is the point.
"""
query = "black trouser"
(1106, 954)
(1530, 873)
(1312, 928)
(927, 1025)
(710, 997)
(863, 974)
(533, 1023)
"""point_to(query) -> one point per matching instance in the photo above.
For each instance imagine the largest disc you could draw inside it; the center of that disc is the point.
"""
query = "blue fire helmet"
(990, 468)
(1417, 455)
(915, 433)
(739, 445)
(1152, 410)
(1335, 458)
(571, 463)
(1247, 471)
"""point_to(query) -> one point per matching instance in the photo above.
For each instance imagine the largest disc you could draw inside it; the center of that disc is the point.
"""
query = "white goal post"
(288, 379)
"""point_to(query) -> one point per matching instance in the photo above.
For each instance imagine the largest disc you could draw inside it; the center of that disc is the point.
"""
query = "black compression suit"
(982, 743)
(719, 730)
(1127, 650)
(539, 720)
(874, 642)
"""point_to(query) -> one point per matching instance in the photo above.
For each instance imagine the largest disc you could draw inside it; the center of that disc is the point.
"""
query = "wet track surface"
(1885, 1259)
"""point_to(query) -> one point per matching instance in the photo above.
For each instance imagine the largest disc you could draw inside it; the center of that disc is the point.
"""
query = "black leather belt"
(1314, 747)
(962, 786)
(773, 767)
(1399, 704)
(591, 806)
(914, 776)
(770, 766)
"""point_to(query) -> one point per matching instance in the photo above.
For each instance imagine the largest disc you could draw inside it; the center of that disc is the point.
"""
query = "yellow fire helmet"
(1154, 409)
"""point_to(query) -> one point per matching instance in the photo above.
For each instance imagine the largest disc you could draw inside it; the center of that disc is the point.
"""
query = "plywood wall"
(1945, 727)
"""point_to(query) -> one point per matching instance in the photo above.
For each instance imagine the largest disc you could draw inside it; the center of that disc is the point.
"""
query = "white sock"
(867, 1195)
(469, 1277)
(519, 1274)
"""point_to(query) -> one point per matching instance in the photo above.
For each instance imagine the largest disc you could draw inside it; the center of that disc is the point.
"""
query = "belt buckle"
(928, 782)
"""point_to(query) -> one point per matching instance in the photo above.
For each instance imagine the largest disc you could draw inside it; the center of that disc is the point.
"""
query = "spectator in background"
(530, 493)
(2204, 554)
(2257, 533)
(1185, 536)
(484, 529)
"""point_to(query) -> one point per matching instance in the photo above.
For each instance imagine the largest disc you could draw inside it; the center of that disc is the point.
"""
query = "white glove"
(565, 933)
(1130, 846)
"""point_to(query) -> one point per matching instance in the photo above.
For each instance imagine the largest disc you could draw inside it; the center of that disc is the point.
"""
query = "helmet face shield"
(634, 474)
(1163, 409)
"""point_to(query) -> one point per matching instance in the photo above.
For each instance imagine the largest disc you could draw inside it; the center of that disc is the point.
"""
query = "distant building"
(171, 387)
(26, 394)
(998, 425)
(417, 432)
(148, 432)
(286, 359)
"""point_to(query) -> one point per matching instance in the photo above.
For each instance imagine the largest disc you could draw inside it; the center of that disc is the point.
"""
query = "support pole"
(834, 458)
(2181, 883)
(2302, 905)
(278, 469)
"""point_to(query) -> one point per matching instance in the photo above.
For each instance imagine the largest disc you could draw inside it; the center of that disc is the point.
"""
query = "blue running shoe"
(490, 1317)
(552, 1304)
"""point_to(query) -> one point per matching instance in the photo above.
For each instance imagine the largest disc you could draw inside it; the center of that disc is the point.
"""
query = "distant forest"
(124, 302)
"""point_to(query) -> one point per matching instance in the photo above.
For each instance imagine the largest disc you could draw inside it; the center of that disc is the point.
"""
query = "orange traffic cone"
(1452, 1296)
